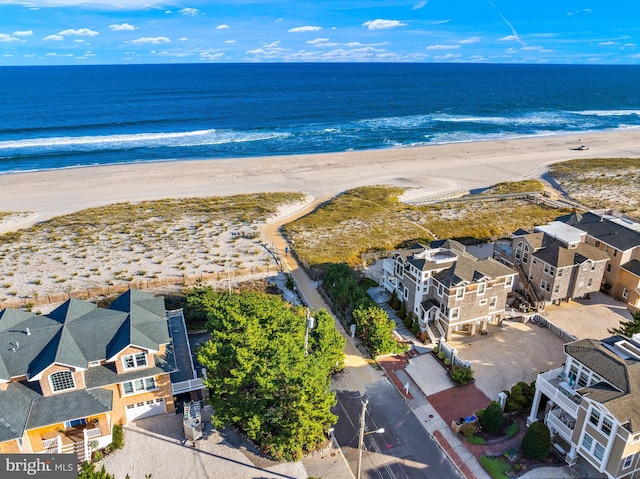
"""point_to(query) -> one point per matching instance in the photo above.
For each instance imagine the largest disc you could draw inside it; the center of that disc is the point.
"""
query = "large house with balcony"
(593, 405)
(448, 288)
(619, 238)
(68, 376)
(557, 263)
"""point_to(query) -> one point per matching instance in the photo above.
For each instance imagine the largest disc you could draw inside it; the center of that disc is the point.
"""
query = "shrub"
(402, 314)
(512, 429)
(461, 374)
(436, 349)
(468, 429)
(447, 362)
(441, 355)
(536, 443)
(493, 420)
(117, 438)
(520, 398)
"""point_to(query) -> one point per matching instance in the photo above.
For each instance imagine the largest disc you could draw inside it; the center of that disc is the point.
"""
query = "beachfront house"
(68, 376)
(591, 405)
(448, 288)
(619, 238)
(557, 263)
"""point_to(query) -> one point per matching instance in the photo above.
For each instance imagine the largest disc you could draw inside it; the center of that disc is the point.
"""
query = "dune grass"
(512, 187)
(610, 183)
(373, 219)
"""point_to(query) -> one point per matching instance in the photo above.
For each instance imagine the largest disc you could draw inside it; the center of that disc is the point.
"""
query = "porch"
(79, 436)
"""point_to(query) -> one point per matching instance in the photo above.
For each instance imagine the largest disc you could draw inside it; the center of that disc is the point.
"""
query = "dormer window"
(134, 361)
(61, 381)
(481, 288)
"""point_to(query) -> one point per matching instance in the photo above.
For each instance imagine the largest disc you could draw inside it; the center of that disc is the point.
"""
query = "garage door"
(143, 409)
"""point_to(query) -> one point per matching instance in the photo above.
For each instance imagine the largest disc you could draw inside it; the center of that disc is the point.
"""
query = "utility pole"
(361, 438)
(362, 435)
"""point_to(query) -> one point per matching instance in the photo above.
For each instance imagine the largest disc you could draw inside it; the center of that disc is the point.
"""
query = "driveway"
(509, 353)
(588, 318)
(154, 446)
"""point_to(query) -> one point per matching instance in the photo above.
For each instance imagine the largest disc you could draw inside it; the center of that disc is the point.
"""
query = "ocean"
(69, 116)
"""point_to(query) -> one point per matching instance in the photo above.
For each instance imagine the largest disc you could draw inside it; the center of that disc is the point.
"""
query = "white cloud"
(211, 55)
(443, 47)
(607, 43)
(192, 12)
(183, 39)
(8, 38)
(306, 28)
(229, 41)
(122, 26)
(322, 42)
(84, 32)
(577, 12)
(438, 22)
(111, 4)
(448, 56)
(380, 24)
(532, 48)
(271, 45)
(508, 38)
(151, 40)
(224, 26)
(469, 40)
(420, 5)
(625, 45)
(23, 33)
(54, 37)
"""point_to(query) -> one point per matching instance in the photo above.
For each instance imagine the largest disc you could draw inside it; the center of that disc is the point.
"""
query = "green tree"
(628, 328)
(492, 419)
(520, 397)
(374, 327)
(259, 377)
(536, 443)
(88, 471)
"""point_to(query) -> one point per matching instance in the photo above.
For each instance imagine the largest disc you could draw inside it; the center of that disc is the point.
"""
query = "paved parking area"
(154, 446)
(508, 354)
(588, 318)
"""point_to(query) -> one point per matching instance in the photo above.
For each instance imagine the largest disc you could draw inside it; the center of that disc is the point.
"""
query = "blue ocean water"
(57, 117)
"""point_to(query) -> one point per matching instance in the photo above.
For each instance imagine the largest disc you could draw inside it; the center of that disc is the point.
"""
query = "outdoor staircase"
(434, 330)
(78, 448)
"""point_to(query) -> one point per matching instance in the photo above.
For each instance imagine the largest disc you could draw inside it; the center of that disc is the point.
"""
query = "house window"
(455, 313)
(493, 301)
(595, 417)
(583, 379)
(440, 289)
(586, 266)
(139, 385)
(406, 293)
(74, 423)
(481, 288)
(133, 361)
(460, 293)
(607, 426)
(560, 273)
(615, 253)
(609, 268)
(61, 381)
(483, 302)
(508, 282)
(625, 293)
(533, 261)
(598, 451)
(525, 257)
(587, 442)
(597, 244)
(556, 289)
(550, 270)
(545, 286)
(627, 462)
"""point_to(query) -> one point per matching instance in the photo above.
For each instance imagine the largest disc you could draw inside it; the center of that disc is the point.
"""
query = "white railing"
(189, 385)
(549, 384)
(94, 432)
(554, 422)
(50, 443)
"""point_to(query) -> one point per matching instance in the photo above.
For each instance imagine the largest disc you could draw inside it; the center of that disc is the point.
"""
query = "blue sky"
(62, 32)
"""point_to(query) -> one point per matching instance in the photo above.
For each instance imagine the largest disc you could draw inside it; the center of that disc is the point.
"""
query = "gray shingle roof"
(77, 333)
(555, 253)
(632, 266)
(608, 232)
(624, 374)
(470, 269)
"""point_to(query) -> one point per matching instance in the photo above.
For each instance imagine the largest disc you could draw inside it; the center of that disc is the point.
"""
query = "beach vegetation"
(610, 183)
(373, 220)
(536, 442)
(262, 381)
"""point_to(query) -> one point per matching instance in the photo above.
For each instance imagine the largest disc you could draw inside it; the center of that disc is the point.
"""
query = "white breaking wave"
(139, 140)
(607, 112)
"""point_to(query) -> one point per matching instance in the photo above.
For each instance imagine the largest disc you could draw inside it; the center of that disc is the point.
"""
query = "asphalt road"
(405, 450)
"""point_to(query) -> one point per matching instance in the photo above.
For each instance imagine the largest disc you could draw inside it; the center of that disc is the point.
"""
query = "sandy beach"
(430, 169)
(36, 268)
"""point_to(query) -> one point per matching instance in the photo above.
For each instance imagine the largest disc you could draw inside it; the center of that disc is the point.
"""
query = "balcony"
(78, 439)
(561, 422)
(553, 385)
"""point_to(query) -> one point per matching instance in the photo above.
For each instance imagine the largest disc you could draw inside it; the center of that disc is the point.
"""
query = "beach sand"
(36, 270)
(432, 169)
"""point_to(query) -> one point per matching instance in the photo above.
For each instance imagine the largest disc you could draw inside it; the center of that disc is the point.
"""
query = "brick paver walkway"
(457, 402)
